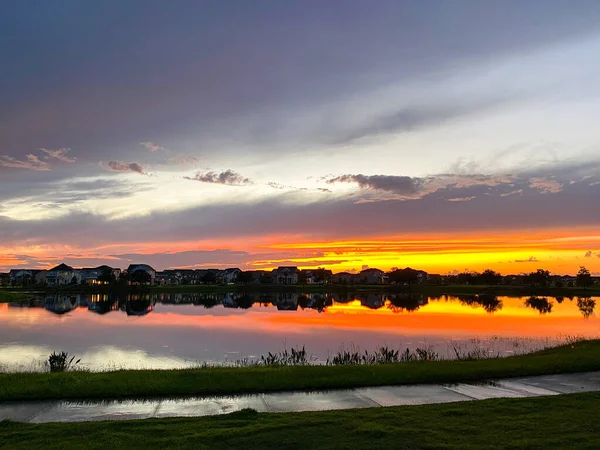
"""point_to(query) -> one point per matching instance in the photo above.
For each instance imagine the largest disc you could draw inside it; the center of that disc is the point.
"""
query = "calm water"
(180, 330)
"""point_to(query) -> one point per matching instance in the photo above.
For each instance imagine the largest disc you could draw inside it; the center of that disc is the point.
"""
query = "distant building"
(344, 278)
(62, 275)
(22, 276)
(144, 267)
(286, 275)
(372, 276)
(89, 275)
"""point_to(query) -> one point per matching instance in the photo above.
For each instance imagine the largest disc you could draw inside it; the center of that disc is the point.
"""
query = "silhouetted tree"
(490, 277)
(140, 276)
(107, 276)
(209, 278)
(244, 277)
(404, 276)
(584, 278)
(539, 278)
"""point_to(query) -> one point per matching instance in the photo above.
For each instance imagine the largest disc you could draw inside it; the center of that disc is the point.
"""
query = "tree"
(404, 276)
(209, 278)
(244, 277)
(584, 278)
(490, 277)
(539, 278)
(107, 276)
(141, 276)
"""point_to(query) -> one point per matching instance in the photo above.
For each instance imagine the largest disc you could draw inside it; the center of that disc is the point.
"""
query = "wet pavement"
(370, 397)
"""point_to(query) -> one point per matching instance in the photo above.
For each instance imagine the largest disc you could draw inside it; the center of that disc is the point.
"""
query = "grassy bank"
(566, 421)
(354, 288)
(579, 357)
(12, 295)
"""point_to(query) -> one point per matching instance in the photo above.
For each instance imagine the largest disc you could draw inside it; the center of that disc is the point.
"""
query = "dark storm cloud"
(228, 177)
(119, 166)
(407, 186)
(103, 93)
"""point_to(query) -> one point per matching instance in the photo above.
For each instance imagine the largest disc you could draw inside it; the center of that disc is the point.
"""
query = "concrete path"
(67, 411)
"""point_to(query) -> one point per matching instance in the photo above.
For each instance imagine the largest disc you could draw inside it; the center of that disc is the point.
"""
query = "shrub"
(60, 362)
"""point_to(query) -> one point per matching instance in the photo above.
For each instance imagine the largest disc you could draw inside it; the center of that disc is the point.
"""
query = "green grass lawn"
(580, 357)
(566, 421)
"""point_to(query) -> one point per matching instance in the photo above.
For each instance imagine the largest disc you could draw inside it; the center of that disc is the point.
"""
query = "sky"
(445, 136)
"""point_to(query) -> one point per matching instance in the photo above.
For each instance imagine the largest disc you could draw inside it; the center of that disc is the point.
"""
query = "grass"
(566, 421)
(12, 296)
(577, 357)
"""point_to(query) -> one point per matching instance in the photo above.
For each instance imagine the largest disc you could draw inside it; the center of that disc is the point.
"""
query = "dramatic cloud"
(119, 166)
(461, 199)
(152, 146)
(59, 154)
(31, 162)
(404, 186)
(228, 177)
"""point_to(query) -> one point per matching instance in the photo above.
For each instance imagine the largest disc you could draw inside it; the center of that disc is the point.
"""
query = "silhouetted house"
(133, 268)
(40, 277)
(228, 276)
(285, 275)
(4, 279)
(260, 276)
(167, 277)
(90, 275)
(315, 276)
(62, 275)
(372, 276)
(22, 276)
(344, 278)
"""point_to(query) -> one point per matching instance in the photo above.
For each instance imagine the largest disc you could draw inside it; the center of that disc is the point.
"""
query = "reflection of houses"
(61, 304)
(372, 276)
(138, 305)
(62, 275)
(286, 301)
(373, 301)
(285, 275)
(102, 303)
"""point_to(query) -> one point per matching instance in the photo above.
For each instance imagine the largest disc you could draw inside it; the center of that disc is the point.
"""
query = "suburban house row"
(64, 274)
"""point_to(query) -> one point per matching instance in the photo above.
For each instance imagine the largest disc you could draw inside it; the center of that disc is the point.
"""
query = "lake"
(185, 330)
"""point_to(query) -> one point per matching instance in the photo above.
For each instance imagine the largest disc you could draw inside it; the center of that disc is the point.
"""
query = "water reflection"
(179, 329)
(143, 304)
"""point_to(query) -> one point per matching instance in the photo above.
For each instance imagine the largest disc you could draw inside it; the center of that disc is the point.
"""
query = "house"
(285, 275)
(62, 275)
(90, 275)
(228, 276)
(40, 277)
(167, 277)
(372, 276)
(344, 278)
(22, 276)
(133, 268)
(315, 276)
(260, 276)
(4, 279)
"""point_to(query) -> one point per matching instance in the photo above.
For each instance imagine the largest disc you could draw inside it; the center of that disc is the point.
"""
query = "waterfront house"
(372, 276)
(62, 275)
(133, 268)
(286, 275)
(344, 278)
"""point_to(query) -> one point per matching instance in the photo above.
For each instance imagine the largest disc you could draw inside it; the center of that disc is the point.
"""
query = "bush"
(60, 362)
